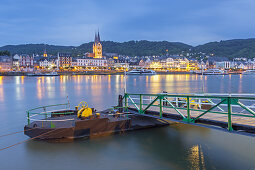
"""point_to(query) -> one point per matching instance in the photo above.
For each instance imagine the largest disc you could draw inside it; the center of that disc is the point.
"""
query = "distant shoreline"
(85, 73)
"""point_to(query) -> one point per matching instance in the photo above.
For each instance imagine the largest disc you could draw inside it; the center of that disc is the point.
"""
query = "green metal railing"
(186, 105)
(44, 110)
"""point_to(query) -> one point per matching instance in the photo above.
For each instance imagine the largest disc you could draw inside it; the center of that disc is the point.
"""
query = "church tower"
(97, 46)
(45, 52)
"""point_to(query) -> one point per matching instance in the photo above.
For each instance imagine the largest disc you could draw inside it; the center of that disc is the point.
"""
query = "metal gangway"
(232, 111)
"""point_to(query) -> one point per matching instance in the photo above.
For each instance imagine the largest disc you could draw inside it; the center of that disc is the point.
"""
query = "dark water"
(175, 147)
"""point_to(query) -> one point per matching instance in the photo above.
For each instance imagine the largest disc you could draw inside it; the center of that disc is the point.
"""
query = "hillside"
(36, 49)
(131, 48)
(228, 48)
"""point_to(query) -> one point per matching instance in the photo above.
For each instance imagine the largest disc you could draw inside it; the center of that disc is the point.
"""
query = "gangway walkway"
(235, 112)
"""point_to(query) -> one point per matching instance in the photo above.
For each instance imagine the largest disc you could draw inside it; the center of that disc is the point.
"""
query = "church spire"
(98, 36)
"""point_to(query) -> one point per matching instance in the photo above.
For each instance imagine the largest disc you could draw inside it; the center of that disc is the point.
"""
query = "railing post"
(120, 103)
(199, 103)
(126, 102)
(44, 109)
(141, 104)
(229, 115)
(160, 106)
(28, 118)
(188, 110)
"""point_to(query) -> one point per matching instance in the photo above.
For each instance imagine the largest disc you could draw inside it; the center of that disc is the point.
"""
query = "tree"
(2, 53)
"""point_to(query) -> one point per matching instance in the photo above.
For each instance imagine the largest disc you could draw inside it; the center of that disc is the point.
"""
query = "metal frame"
(227, 101)
(35, 111)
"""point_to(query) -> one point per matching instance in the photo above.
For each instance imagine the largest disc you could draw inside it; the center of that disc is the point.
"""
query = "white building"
(16, 57)
(5, 63)
(26, 60)
(74, 63)
(224, 65)
(47, 63)
(91, 62)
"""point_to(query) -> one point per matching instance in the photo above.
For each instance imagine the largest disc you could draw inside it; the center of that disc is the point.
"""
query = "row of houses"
(65, 60)
(62, 60)
(225, 65)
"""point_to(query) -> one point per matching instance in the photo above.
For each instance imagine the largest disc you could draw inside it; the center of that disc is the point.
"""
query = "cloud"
(72, 22)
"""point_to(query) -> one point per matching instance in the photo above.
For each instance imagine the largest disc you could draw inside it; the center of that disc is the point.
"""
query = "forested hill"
(35, 49)
(132, 48)
(228, 48)
(140, 48)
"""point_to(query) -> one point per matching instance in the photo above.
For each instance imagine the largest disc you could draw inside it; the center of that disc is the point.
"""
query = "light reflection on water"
(178, 146)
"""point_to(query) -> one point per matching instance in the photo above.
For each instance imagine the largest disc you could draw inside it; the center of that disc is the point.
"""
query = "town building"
(97, 47)
(64, 60)
(74, 62)
(193, 65)
(26, 61)
(224, 65)
(84, 62)
(93, 59)
(47, 63)
(45, 53)
(5, 63)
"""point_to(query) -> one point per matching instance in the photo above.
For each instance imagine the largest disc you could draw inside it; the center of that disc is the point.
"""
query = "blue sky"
(73, 22)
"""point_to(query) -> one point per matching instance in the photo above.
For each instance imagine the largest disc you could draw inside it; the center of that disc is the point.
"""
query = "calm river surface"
(174, 147)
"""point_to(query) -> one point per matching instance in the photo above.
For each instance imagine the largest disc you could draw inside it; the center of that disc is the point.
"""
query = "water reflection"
(176, 147)
(40, 89)
(196, 157)
(1, 89)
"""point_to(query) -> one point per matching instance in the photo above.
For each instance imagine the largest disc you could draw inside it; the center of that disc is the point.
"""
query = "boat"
(83, 122)
(43, 74)
(214, 72)
(51, 74)
(141, 71)
(34, 74)
(249, 72)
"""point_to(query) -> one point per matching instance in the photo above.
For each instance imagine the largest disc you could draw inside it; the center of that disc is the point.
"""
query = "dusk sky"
(73, 22)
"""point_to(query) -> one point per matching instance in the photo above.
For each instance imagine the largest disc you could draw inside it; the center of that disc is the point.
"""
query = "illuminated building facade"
(64, 60)
(26, 60)
(5, 63)
(47, 63)
(97, 47)
(91, 62)
(45, 53)
(182, 64)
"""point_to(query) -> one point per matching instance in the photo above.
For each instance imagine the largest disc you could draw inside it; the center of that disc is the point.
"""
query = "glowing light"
(1, 80)
(196, 157)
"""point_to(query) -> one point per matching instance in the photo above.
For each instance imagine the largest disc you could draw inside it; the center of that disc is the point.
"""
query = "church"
(94, 59)
(97, 48)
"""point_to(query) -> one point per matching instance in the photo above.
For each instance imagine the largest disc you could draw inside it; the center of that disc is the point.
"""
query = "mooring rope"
(25, 140)
(14, 133)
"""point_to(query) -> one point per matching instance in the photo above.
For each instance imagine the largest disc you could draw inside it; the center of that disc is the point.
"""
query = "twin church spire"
(97, 37)
(97, 46)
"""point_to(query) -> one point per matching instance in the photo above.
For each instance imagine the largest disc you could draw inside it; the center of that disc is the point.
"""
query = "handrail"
(41, 107)
(204, 103)
(46, 113)
(195, 95)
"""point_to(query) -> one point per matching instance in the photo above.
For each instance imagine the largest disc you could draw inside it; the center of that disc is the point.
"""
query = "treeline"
(229, 48)
(139, 48)
(131, 48)
(2, 53)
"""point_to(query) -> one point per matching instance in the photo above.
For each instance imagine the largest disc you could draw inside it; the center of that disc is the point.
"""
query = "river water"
(177, 146)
